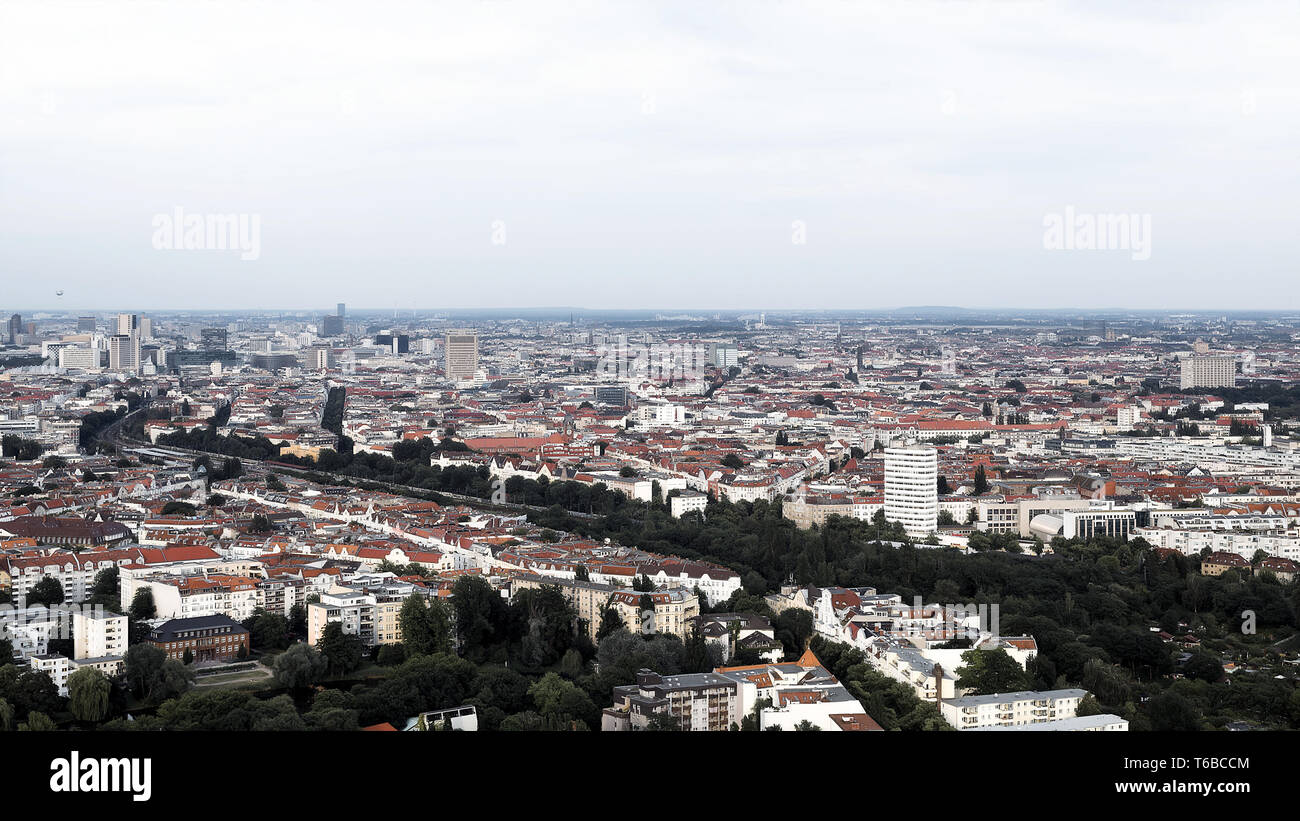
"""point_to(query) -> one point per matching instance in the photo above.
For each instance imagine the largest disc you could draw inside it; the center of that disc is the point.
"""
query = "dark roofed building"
(1218, 563)
(208, 638)
(66, 531)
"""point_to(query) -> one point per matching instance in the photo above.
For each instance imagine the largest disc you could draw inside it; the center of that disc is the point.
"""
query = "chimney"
(938, 684)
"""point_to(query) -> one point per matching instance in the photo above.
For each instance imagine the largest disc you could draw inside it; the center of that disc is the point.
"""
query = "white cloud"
(648, 154)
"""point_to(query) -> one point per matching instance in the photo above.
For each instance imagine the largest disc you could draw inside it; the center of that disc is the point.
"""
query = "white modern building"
(912, 489)
(98, 634)
(462, 355)
(1211, 371)
(1011, 709)
(688, 501)
(1103, 722)
(124, 353)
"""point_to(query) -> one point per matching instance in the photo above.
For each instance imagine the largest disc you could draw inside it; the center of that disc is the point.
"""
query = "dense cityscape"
(919, 519)
(509, 389)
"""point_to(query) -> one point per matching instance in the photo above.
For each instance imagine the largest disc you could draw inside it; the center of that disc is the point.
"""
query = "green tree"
(142, 605)
(35, 691)
(663, 722)
(343, 653)
(1088, 706)
(299, 667)
(268, 631)
(425, 627)
(610, 619)
(37, 722)
(562, 704)
(991, 671)
(142, 663)
(153, 677)
(88, 691)
(480, 617)
(298, 621)
(46, 592)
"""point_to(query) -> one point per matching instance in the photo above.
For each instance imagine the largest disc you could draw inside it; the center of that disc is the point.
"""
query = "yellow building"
(669, 611)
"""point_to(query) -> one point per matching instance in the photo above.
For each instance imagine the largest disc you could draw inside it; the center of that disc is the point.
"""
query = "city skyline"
(559, 370)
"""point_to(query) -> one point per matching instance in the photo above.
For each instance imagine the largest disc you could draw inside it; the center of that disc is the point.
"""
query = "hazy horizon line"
(774, 312)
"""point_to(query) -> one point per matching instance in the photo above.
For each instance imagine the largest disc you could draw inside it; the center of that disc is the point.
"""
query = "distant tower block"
(462, 355)
(912, 489)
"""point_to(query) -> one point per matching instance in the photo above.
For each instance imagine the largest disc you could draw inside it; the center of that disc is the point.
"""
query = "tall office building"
(331, 326)
(342, 309)
(84, 357)
(1211, 371)
(15, 328)
(612, 395)
(462, 355)
(124, 353)
(86, 325)
(213, 339)
(128, 324)
(723, 355)
(912, 489)
(317, 357)
(397, 343)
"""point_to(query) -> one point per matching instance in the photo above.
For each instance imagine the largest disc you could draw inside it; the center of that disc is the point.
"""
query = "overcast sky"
(488, 153)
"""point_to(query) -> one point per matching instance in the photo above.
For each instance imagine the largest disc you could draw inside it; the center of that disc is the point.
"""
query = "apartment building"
(98, 634)
(75, 572)
(1103, 722)
(1208, 371)
(373, 613)
(197, 594)
(912, 489)
(700, 702)
(1011, 709)
(687, 501)
(732, 632)
(806, 511)
(798, 694)
(57, 667)
(1192, 542)
(668, 611)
